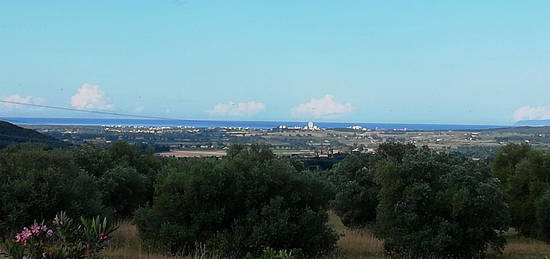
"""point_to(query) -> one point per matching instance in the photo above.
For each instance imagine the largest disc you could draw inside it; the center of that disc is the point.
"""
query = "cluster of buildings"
(309, 127)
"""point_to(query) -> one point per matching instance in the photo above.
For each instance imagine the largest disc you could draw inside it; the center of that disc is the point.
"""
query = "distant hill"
(533, 123)
(10, 133)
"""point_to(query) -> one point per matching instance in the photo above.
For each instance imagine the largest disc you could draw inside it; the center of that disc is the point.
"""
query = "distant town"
(308, 141)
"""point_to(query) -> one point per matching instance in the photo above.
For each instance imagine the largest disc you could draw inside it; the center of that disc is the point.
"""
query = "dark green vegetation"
(85, 181)
(422, 203)
(242, 204)
(10, 134)
(524, 173)
(435, 205)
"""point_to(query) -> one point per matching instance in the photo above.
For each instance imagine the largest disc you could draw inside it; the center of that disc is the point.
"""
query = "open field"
(352, 244)
(193, 153)
(211, 142)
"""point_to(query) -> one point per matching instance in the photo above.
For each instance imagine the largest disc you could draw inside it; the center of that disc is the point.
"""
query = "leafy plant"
(434, 205)
(524, 173)
(270, 253)
(240, 205)
(65, 240)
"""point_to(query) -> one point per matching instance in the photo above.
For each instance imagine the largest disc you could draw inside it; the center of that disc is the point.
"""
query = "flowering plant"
(66, 239)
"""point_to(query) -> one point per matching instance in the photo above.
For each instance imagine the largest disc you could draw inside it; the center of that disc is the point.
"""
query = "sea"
(238, 124)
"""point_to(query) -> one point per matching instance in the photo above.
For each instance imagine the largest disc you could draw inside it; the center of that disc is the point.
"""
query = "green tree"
(124, 190)
(525, 176)
(356, 190)
(244, 203)
(35, 184)
(543, 216)
(433, 205)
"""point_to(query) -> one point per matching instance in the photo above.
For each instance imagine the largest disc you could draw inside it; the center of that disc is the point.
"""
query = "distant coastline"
(238, 124)
(533, 123)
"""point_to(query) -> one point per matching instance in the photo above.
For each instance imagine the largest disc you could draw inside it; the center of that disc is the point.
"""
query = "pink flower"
(35, 229)
(23, 236)
(49, 233)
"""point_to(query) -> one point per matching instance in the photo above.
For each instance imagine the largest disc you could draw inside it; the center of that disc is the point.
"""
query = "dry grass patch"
(521, 247)
(127, 244)
(356, 243)
(352, 244)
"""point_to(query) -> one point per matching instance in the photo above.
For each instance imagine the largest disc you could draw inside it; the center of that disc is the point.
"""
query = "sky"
(391, 61)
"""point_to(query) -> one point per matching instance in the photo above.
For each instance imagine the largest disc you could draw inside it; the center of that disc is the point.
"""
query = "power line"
(87, 111)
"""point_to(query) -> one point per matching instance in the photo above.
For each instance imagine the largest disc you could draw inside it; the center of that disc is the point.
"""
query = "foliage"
(525, 176)
(434, 205)
(356, 191)
(543, 216)
(241, 204)
(124, 190)
(270, 253)
(66, 239)
(86, 181)
(35, 183)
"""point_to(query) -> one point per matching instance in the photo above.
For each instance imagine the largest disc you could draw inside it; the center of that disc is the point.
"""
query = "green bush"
(124, 190)
(126, 174)
(433, 205)
(525, 176)
(543, 216)
(239, 205)
(36, 184)
(356, 191)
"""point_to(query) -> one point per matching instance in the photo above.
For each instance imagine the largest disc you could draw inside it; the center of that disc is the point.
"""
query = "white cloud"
(238, 109)
(323, 107)
(90, 96)
(20, 99)
(532, 113)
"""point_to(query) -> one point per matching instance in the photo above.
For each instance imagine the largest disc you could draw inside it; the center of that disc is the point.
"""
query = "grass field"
(352, 244)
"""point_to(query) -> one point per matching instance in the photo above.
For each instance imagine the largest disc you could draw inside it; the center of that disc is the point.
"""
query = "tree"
(124, 190)
(356, 191)
(525, 176)
(35, 184)
(433, 205)
(245, 203)
(543, 216)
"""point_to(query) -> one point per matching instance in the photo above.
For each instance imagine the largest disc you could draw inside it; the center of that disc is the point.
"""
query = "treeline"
(36, 183)
(421, 202)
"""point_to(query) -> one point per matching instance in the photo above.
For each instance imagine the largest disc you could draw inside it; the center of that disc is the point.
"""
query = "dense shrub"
(433, 205)
(126, 173)
(524, 173)
(356, 188)
(124, 190)
(356, 191)
(36, 184)
(543, 216)
(85, 181)
(239, 205)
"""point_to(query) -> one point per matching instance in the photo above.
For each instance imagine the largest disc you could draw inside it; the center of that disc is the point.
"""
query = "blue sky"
(461, 62)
